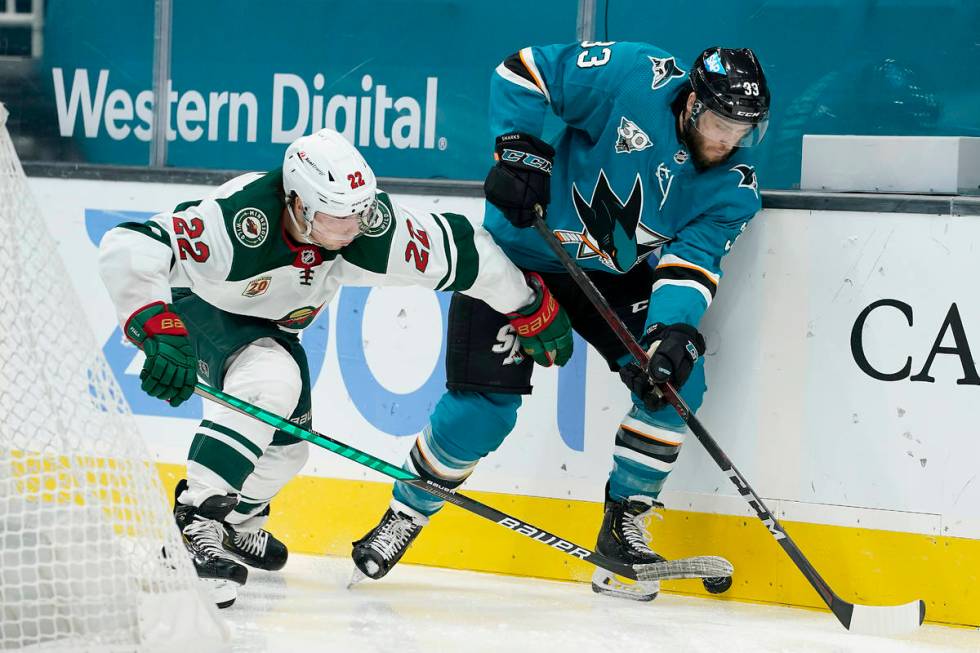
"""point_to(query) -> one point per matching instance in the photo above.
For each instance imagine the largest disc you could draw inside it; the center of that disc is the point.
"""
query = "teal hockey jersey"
(623, 187)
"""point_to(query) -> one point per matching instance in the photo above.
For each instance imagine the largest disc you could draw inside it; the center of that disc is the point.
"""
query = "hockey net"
(90, 557)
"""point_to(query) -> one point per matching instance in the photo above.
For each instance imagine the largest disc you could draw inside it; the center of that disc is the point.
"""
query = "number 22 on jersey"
(418, 247)
(190, 246)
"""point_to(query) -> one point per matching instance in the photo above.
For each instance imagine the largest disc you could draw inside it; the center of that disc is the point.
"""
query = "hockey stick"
(866, 619)
(696, 567)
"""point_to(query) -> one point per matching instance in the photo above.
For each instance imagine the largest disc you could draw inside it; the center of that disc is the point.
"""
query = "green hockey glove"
(170, 370)
(543, 326)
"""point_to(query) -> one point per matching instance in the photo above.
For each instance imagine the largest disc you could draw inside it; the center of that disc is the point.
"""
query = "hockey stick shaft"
(697, 567)
(841, 609)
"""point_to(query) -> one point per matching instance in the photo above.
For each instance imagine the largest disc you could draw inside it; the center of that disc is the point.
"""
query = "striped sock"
(430, 462)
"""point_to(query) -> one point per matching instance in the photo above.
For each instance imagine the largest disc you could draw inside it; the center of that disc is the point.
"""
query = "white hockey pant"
(233, 453)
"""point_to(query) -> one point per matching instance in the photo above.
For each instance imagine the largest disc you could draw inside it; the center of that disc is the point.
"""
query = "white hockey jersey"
(232, 250)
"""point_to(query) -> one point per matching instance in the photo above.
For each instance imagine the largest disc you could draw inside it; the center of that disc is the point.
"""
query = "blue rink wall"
(841, 382)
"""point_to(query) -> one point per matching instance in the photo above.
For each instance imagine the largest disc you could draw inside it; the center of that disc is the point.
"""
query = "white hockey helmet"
(329, 176)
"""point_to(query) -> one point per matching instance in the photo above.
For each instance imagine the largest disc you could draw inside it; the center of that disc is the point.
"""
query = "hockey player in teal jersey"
(647, 186)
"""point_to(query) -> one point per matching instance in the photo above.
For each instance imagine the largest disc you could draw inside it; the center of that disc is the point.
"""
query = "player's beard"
(698, 146)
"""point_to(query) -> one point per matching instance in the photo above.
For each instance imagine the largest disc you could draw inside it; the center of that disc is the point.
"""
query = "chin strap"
(305, 236)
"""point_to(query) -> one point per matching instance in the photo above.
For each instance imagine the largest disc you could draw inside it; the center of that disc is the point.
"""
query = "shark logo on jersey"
(665, 178)
(748, 177)
(613, 231)
(664, 70)
(631, 138)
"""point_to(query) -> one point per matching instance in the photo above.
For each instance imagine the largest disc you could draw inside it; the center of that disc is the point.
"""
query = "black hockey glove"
(521, 179)
(673, 351)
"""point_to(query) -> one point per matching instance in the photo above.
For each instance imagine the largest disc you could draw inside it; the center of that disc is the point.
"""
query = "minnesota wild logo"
(613, 231)
(380, 221)
(299, 318)
(251, 227)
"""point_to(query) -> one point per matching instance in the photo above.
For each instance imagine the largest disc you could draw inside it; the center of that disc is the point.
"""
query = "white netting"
(83, 515)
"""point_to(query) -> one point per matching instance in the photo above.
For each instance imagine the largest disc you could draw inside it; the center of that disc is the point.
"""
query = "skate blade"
(222, 592)
(356, 577)
(604, 582)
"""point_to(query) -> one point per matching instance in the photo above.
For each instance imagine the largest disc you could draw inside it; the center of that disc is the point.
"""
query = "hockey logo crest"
(748, 179)
(379, 222)
(680, 157)
(613, 232)
(300, 318)
(307, 258)
(664, 70)
(251, 227)
(631, 138)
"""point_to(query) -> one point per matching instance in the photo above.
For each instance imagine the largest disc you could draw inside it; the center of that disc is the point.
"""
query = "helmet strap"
(304, 224)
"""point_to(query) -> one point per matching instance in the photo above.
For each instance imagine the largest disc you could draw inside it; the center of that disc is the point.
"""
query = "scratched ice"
(422, 609)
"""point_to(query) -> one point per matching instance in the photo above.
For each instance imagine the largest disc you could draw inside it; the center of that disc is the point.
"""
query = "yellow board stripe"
(324, 515)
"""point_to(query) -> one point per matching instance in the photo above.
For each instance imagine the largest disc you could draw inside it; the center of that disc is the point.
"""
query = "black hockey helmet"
(731, 85)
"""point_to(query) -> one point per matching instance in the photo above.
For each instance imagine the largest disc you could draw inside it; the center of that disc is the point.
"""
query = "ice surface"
(307, 607)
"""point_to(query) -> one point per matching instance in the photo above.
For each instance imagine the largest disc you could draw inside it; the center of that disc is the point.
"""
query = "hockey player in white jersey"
(220, 287)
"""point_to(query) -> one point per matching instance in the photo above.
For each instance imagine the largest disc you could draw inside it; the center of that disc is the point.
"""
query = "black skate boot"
(624, 537)
(256, 548)
(203, 533)
(377, 552)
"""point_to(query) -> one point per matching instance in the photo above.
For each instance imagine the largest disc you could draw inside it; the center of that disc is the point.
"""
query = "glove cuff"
(520, 150)
(153, 320)
(659, 330)
(540, 313)
(653, 333)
